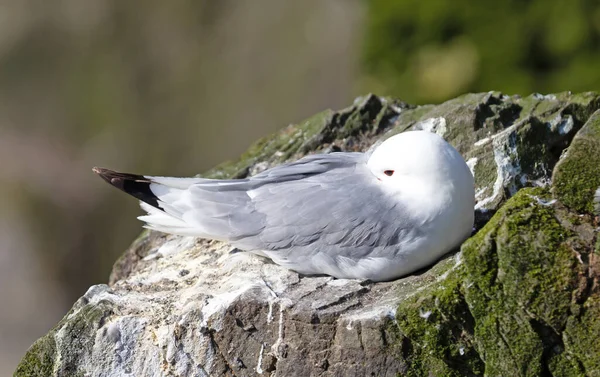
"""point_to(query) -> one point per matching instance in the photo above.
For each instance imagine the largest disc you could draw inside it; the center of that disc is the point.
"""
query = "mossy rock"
(523, 299)
(39, 360)
(68, 341)
(519, 304)
(577, 175)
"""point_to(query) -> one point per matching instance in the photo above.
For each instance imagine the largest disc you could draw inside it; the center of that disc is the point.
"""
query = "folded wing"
(319, 201)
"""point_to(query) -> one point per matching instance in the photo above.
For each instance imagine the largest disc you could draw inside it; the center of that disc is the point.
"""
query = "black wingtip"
(135, 185)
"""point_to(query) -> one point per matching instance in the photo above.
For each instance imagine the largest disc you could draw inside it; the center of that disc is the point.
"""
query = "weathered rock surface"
(521, 298)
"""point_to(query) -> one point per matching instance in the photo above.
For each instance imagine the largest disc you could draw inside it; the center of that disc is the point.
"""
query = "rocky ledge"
(521, 297)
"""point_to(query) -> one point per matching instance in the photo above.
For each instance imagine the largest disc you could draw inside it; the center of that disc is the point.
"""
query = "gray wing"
(321, 201)
(226, 209)
(324, 201)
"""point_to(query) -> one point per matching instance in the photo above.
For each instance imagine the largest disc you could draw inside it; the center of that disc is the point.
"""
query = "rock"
(577, 175)
(521, 298)
(504, 311)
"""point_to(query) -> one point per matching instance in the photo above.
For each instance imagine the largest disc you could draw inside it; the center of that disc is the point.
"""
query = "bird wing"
(341, 206)
(329, 200)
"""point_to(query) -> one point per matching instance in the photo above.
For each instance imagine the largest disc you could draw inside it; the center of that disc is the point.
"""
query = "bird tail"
(160, 197)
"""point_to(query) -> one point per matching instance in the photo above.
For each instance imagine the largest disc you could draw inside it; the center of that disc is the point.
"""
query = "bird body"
(377, 215)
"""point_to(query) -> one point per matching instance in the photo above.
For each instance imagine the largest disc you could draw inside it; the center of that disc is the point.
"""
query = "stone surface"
(577, 175)
(521, 298)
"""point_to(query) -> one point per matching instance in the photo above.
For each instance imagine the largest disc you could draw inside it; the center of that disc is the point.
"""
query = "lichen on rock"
(521, 297)
(577, 176)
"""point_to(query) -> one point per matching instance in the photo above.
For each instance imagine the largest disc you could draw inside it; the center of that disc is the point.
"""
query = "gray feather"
(305, 207)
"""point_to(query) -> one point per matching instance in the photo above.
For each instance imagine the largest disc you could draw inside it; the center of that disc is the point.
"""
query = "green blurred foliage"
(433, 50)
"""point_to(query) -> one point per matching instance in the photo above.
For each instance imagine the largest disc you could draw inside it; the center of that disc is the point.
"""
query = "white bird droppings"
(424, 314)
(259, 369)
(471, 164)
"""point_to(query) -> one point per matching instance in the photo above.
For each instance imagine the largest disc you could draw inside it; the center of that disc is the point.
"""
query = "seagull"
(377, 216)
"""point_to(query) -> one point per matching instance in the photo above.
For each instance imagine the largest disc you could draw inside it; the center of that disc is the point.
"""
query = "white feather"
(160, 220)
(178, 183)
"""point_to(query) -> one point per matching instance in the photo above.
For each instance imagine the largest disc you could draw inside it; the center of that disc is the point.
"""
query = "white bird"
(378, 215)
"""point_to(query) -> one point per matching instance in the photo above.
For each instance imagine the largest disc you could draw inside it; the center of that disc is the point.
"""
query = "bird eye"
(389, 173)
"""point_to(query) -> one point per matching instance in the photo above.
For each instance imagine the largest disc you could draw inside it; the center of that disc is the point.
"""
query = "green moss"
(535, 265)
(545, 107)
(586, 99)
(581, 337)
(499, 285)
(411, 116)
(439, 325)
(39, 359)
(522, 271)
(501, 312)
(80, 328)
(577, 176)
(534, 143)
(531, 104)
(486, 171)
(561, 365)
(350, 122)
(583, 105)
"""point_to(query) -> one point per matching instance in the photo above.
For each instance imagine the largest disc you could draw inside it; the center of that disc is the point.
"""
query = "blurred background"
(173, 88)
